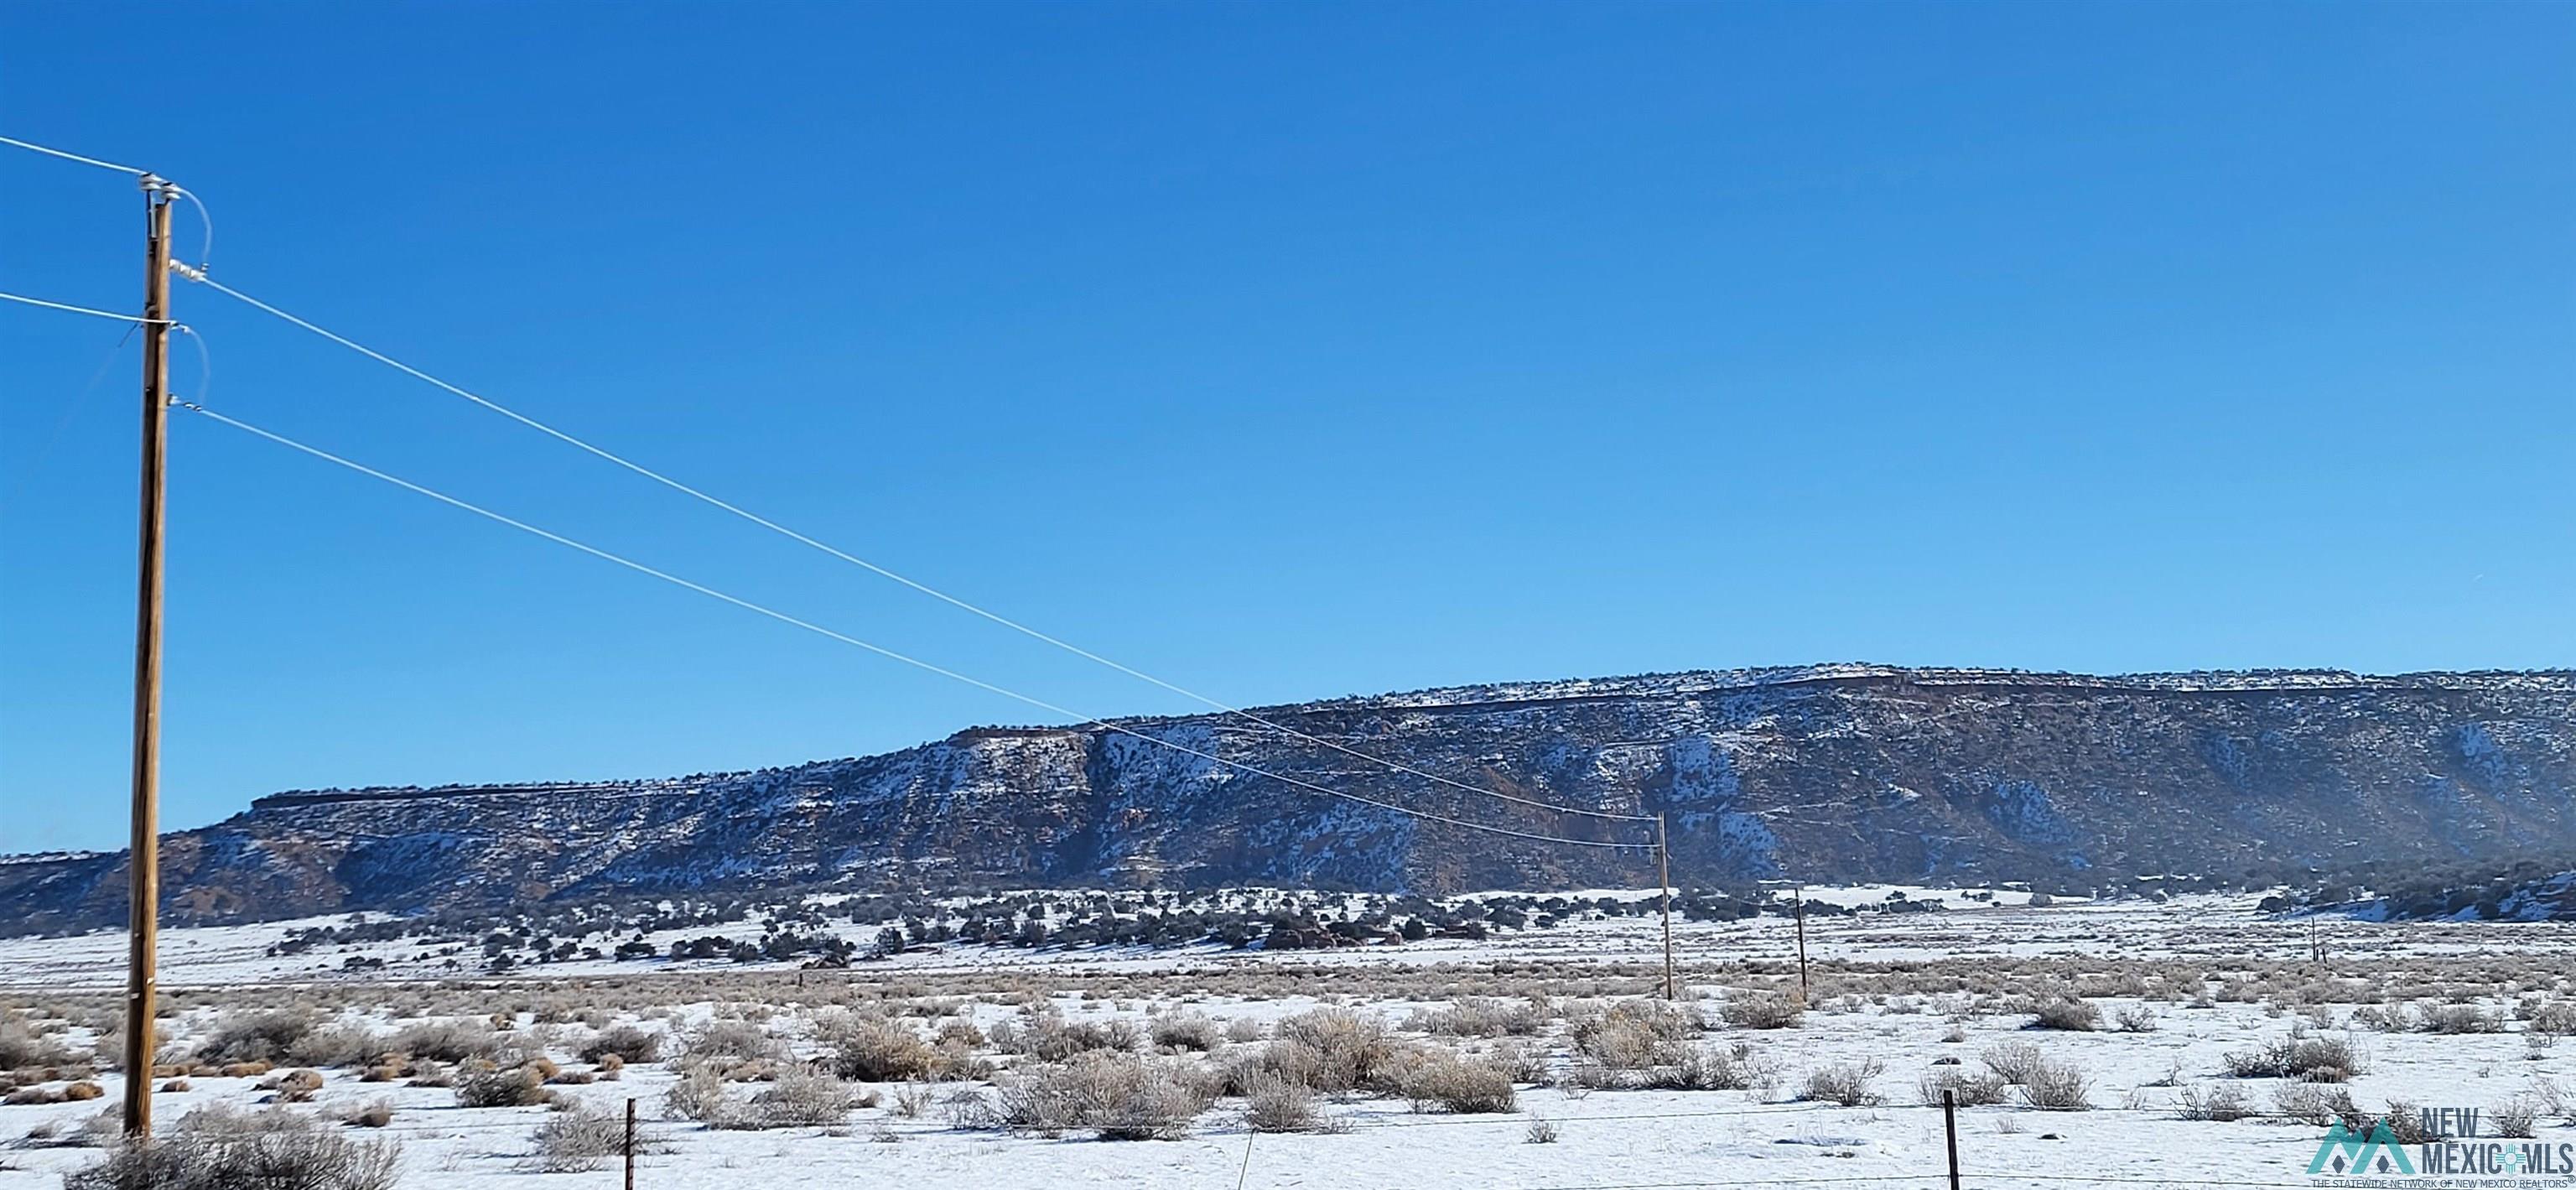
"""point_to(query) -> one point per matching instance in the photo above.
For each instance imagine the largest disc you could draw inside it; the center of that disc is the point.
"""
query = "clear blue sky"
(1284, 350)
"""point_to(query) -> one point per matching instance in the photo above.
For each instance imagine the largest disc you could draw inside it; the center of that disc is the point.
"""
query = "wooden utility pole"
(630, 1144)
(143, 933)
(1664, 884)
(1799, 908)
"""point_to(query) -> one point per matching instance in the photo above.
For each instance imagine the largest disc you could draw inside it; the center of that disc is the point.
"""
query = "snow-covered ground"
(1902, 991)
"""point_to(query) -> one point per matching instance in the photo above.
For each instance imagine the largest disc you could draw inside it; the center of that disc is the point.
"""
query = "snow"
(1607, 1138)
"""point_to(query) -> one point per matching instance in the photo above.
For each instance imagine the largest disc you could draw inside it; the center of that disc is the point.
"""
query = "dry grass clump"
(1120, 1096)
(1446, 1082)
(1845, 1083)
(1762, 1010)
(220, 1148)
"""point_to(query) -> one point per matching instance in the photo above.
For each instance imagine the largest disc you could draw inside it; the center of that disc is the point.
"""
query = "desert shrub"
(1485, 1016)
(1186, 1031)
(1762, 1010)
(2221, 1103)
(1274, 1104)
(2406, 1123)
(1044, 1034)
(1540, 1132)
(578, 1139)
(726, 1044)
(82, 1090)
(880, 1051)
(1466, 1086)
(445, 1041)
(1334, 1049)
(2515, 1118)
(2460, 1018)
(2312, 1104)
(2013, 1061)
(1634, 1035)
(1119, 1096)
(2051, 1086)
(374, 1113)
(336, 1045)
(518, 1086)
(22, 1047)
(2137, 1018)
(1733, 1068)
(255, 1037)
(1966, 1090)
(217, 1148)
(700, 1095)
(2311, 1059)
(2556, 1018)
(801, 1098)
(2067, 1013)
(1845, 1083)
(626, 1043)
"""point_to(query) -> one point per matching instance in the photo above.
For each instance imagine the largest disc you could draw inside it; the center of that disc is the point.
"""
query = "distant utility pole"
(1664, 885)
(143, 932)
(1799, 909)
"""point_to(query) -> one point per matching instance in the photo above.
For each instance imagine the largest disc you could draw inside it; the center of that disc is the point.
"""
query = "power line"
(33, 147)
(880, 650)
(843, 555)
(137, 319)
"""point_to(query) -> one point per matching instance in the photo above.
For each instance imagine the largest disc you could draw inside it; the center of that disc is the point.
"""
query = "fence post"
(630, 1148)
(1949, 1124)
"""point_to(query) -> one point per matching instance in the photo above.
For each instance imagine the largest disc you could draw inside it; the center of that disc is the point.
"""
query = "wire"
(205, 360)
(133, 318)
(880, 650)
(123, 169)
(205, 251)
(863, 563)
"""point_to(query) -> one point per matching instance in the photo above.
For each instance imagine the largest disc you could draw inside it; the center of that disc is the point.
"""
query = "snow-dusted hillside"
(1827, 773)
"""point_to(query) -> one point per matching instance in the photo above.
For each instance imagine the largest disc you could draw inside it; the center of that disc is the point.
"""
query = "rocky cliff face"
(1831, 773)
